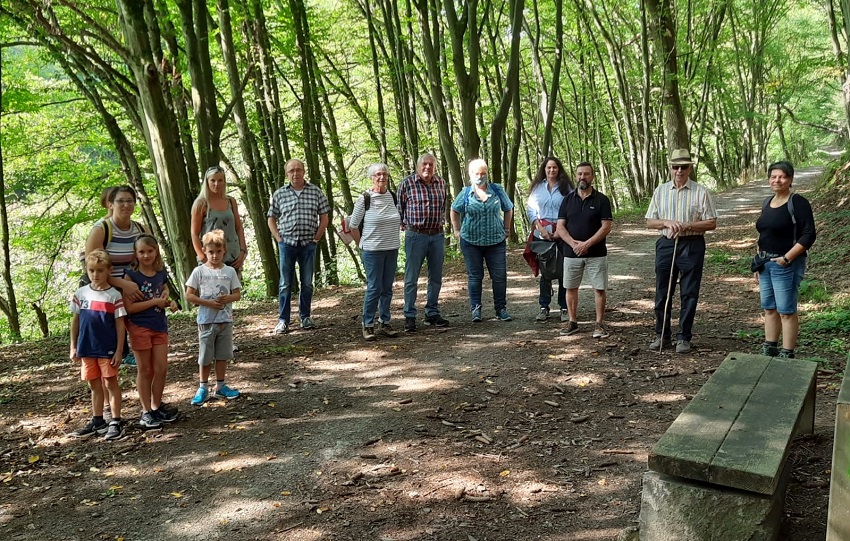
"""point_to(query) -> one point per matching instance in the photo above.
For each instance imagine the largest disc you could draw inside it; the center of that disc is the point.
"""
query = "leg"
(306, 269)
(562, 295)
(114, 396)
(772, 325)
(571, 279)
(474, 260)
(415, 251)
(144, 377)
(600, 297)
(786, 288)
(597, 275)
(159, 361)
(220, 369)
(690, 262)
(572, 303)
(497, 267)
(663, 262)
(287, 274)
(371, 263)
(390, 263)
(436, 257)
(545, 297)
(97, 386)
(790, 330)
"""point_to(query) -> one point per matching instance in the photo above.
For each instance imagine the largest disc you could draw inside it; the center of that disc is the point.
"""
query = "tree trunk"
(497, 128)
(8, 301)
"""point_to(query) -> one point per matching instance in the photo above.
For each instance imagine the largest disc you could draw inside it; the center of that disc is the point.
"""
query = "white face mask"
(479, 181)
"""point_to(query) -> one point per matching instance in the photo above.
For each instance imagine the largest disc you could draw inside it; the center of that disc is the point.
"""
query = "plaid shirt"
(691, 203)
(298, 215)
(422, 206)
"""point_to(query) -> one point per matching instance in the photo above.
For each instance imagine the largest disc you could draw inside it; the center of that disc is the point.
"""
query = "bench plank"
(838, 523)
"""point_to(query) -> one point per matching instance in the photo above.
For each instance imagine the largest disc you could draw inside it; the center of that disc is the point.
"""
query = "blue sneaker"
(476, 314)
(201, 396)
(129, 360)
(226, 392)
(503, 315)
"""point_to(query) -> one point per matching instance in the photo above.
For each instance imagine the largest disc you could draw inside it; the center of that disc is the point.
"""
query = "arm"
(198, 212)
(134, 307)
(95, 239)
(562, 233)
(806, 225)
(323, 224)
(233, 296)
(455, 217)
(358, 214)
(272, 222)
(192, 296)
(508, 219)
(120, 331)
(581, 247)
(75, 333)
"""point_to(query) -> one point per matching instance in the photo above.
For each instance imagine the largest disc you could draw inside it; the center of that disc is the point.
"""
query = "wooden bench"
(719, 472)
(838, 524)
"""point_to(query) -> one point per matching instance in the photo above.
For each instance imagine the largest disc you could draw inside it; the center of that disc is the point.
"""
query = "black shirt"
(584, 218)
(776, 230)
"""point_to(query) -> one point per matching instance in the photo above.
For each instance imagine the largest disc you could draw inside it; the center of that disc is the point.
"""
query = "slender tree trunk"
(8, 301)
(497, 128)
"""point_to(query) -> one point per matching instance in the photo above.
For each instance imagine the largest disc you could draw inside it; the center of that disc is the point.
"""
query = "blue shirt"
(543, 204)
(483, 223)
(151, 287)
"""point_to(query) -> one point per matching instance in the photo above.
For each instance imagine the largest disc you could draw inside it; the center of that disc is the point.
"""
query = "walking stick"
(668, 301)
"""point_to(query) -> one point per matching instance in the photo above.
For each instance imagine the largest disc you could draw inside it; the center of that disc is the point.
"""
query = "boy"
(97, 342)
(214, 286)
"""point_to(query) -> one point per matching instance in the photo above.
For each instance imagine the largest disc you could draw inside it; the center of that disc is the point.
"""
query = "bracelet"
(786, 260)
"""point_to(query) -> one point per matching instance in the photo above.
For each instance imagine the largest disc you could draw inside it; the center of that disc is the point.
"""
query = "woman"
(481, 218)
(786, 231)
(544, 202)
(214, 209)
(375, 224)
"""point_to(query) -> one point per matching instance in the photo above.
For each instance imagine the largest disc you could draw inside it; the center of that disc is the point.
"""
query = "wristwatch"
(786, 260)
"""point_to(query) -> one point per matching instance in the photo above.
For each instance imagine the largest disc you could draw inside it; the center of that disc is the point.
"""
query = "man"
(584, 221)
(422, 204)
(681, 210)
(297, 218)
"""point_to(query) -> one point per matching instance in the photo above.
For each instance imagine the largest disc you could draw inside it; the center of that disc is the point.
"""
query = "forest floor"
(490, 431)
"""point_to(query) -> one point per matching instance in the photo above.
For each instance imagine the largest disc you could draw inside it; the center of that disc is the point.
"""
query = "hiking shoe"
(543, 314)
(226, 393)
(476, 314)
(785, 354)
(281, 328)
(683, 346)
(565, 315)
(165, 413)
(656, 344)
(129, 360)
(571, 328)
(201, 396)
(149, 419)
(601, 332)
(410, 324)
(769, 351)
(91, 428)
(369, 334)
(387, 330)
(307, 323)
(114, 431)
(436, 320)
(504, 315)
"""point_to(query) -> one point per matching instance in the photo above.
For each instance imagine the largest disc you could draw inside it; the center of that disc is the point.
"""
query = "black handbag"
(757, 264)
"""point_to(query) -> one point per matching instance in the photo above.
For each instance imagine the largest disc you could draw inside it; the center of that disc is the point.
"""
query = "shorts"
(597, 272)
(142, 338)
(94, 368)
(216, 342)
(779, 287)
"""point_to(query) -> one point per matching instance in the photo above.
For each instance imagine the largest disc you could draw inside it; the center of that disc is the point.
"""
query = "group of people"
(128, 281)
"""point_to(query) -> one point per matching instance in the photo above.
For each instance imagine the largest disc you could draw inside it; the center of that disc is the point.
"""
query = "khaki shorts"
(92, 368)
(596, 267)
(216, 342)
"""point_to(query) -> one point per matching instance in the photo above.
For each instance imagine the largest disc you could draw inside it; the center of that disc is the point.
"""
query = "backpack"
(790, 211)
(367, 202)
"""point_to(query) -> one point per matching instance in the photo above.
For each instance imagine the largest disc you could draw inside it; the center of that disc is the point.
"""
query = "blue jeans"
(380, 268)
(779, 287)
(305, 256)
(546, 293)
(497, 265)
(417, 248)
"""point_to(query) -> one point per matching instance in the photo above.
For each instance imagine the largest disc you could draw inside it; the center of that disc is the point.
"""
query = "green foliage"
(720, 261)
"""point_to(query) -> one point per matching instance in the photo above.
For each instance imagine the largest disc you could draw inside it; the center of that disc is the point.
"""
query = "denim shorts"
(779, 286)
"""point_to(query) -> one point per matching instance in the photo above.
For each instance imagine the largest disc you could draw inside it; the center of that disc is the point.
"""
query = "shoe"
(410, 324)
(387, 330)
(571, 328)
(235, 350)
(476, 314)
(683, 346)
(226, 393)
(436, 320)
(165, 413)
(150, 419)
(307, 323)
(114, 431)
(656, 344)
(543, 314)
(565, 315)
(785, 354)
(369, 334)
(89, 429)
(129, 360)
(281, 328)
(769, 351)
(504, 315)
(201, 396)
(600, 332)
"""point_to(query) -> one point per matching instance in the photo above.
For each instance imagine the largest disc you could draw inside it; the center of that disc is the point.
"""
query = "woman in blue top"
(486, 213)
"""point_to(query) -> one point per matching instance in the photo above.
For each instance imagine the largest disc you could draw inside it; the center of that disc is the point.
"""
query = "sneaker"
(769, 351)
(307, 323)
(785, 354)
(387, 330)
(201, 396)
(165, 413)
(150, 419)
(114, 431)
(91, 428)
(656, 344)
(226, 393)
(369, 334)
(129, 360)
(476, 314)
(600, 332)
(565, 315)
(543, 314)
(683, 346)
(409, 324)
(436, 320)
(571, 328)
(281, 328)
(504, 315)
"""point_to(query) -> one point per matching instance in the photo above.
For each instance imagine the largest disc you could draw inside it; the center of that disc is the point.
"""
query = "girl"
(148, 328)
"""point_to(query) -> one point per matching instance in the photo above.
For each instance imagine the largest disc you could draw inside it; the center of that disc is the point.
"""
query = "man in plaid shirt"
(422, 204)
(297, 219)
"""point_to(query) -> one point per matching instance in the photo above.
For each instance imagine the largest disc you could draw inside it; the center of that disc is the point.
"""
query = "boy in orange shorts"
(97, 342)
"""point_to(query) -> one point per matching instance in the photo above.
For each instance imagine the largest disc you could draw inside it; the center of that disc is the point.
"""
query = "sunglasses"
(679, 167)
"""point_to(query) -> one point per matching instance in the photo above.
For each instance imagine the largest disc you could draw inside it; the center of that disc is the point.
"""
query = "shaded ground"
(490, 431)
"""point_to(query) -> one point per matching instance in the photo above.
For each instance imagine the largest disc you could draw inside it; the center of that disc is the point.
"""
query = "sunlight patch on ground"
(622, 277)
(662, 397)
(584, 380)
(600, 534)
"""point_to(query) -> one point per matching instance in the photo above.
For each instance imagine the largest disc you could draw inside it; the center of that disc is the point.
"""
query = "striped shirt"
(380, 223)
(483, 223)
(297, 214)
(691, 203)
(422, 205)
(121, 247)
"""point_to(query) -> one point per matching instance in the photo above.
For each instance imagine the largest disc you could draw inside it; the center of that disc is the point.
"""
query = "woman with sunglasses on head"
(214, 209)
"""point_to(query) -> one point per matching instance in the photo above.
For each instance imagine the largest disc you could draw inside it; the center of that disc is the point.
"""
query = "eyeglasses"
(679, 167)
(125, 202)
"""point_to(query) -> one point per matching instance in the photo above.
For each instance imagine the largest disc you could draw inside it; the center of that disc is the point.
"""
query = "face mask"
(479, 181)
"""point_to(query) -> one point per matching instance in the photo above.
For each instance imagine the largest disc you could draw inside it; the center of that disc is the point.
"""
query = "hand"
(457, 234)
(581, 248)
(174, 306)
(674, 228)
(116, 359)
(781, 261)
(162, 303)
(130, 289)
(73, 355)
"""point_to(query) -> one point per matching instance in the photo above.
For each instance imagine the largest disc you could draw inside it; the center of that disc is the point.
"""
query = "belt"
(768, 255)
(685, 238)
(423, 231)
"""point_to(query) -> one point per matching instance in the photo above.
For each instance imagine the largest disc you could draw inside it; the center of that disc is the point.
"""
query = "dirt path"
(492, 431)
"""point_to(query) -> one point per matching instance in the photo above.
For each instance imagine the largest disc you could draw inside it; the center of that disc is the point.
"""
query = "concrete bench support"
(838, 524)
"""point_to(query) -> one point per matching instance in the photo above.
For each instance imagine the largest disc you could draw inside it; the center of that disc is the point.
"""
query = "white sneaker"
(565, 315)
(281, 328)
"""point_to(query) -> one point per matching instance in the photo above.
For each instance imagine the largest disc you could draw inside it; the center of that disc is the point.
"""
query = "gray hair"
(426, 156)
(376, 168)
(475, 164)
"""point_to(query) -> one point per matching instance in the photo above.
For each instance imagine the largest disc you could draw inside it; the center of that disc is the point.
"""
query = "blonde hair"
(98, 257)
(204, 197)
(148, 240)
(214, 238)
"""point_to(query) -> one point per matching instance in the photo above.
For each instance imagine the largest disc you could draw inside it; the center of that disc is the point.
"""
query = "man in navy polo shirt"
(584, 221)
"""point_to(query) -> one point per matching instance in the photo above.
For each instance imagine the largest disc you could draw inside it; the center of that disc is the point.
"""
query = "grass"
(721, 262)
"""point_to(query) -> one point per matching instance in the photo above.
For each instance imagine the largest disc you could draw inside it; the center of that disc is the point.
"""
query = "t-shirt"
(121, 246)
(381, 223)
(212, 283)
(584, 218)
(151, 287)
(97, 311)
(776, 230)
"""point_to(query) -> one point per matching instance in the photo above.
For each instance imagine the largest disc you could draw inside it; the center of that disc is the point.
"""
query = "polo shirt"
(584, 218)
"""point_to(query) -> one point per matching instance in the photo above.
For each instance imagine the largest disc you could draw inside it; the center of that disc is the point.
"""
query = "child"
(97, 341)
(214, 286)
(148, 328)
